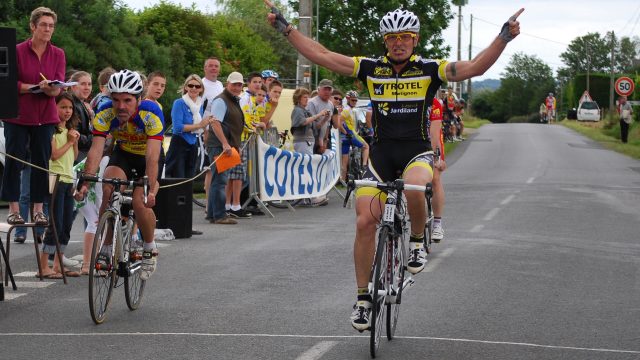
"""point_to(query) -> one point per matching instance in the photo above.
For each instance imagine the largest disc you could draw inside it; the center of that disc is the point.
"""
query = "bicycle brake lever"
(350, 186)
(145, 186)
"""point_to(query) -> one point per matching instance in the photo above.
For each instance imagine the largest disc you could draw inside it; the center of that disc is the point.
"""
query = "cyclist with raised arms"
(137, 127)
(401, 85)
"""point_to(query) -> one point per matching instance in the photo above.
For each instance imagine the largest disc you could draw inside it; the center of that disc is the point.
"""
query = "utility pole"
(459, 85)
(469, 81)
(303, 75)
(613, 47)
(588, 65)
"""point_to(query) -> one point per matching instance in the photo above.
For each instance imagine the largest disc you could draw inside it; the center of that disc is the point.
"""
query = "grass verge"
(608, 135)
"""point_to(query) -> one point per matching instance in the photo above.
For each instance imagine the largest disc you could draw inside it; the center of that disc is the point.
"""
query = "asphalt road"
(541, 260)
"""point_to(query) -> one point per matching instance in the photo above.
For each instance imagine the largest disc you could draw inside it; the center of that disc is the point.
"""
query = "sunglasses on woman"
(191, 86)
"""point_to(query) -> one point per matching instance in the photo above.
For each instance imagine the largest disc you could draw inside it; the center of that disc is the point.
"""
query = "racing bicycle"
(115, 242)
(388, 277)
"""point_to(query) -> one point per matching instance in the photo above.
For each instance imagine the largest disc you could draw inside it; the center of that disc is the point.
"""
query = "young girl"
(64, 151)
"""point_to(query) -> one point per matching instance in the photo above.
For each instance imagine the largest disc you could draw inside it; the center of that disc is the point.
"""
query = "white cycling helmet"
(269, 73)
(125, 81)
(398, 21)
(352, 94)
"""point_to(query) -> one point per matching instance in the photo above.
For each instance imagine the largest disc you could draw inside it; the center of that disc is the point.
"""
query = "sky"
(547, 26)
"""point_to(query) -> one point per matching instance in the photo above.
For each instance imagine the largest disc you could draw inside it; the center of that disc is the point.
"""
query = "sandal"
(15, 219)
(39, 218)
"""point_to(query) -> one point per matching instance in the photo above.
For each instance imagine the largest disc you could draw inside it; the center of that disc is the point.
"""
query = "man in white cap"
(224, 134)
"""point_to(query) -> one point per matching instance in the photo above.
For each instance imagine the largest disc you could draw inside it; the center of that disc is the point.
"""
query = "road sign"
(624, 86)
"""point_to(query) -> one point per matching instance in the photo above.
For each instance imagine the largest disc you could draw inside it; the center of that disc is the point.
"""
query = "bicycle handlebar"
(396, 185)
(143, 182)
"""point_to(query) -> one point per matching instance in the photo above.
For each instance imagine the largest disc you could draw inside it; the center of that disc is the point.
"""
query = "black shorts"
(389, 159)
(133, 165)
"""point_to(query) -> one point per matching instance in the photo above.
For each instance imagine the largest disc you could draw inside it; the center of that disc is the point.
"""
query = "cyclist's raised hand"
(511, 28)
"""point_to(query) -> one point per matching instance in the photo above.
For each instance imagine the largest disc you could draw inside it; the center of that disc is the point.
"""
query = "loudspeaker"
(174, 207)
(8, 74)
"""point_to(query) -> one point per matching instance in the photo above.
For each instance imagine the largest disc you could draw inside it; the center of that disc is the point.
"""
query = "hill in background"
(491, 84)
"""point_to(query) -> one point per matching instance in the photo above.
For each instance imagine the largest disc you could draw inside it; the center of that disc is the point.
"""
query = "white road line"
(530, 180)
(34, 284)
(26, 274)
(317, 350)
(507, 200)
(432, 264)
(509, 343)
(491, 214)
(477, 228)
(11, 296)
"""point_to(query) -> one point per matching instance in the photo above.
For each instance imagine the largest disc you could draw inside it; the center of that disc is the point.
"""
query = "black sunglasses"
(191, 86)
(337, 98)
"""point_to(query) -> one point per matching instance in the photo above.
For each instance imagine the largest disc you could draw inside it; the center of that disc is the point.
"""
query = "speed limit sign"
(624, 86)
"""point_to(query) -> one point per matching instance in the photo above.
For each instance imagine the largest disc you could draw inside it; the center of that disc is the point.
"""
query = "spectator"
(269, 76)
(224, 133)
(156, 84)
(316, 106)
(64, 150)
(82, 110)
(273, 97)
(238, 174)
(188, 124)
(103, 96)
(212, 88)
(626, 117)
(302, 122)
(38, 62)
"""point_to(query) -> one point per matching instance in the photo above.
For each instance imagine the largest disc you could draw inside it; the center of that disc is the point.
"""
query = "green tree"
(254, 14)
(524, 85)
(592, 52)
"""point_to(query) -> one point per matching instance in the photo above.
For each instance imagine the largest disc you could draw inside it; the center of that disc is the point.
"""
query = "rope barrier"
(73, 178)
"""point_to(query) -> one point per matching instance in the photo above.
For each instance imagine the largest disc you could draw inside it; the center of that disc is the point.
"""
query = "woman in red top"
(38, 63)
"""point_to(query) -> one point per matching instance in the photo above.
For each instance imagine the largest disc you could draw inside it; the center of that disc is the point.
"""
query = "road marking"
(530, 180)
(26, 274)
(477, 228)
(11, 296)
(507, 200)
(432, 264)
(317, 350)
(34, 284)
(491, 214)
(299, 336)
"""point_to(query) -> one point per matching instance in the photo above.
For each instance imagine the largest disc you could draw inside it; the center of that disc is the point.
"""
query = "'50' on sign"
(624, 86)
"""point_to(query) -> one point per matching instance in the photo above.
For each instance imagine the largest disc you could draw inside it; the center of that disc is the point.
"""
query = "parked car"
(588, 111)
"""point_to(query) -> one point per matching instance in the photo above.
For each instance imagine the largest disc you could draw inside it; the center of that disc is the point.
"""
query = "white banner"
(288, 175)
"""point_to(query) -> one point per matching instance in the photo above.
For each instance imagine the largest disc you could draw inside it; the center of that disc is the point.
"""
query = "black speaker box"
(174, 207)
(8, 74)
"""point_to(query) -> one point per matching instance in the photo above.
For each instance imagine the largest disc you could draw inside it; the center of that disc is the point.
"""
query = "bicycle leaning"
(388, 279)
(115, 254)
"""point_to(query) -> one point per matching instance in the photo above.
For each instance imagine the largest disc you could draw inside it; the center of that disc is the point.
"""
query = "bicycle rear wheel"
(103, 280)
(379, 289)
(133, 284)
(396, 258)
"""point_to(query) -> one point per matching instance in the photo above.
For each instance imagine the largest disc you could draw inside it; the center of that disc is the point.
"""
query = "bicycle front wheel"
(133, 284)
(379, 289)
(102, 274)
(396, 259)
(428, 227)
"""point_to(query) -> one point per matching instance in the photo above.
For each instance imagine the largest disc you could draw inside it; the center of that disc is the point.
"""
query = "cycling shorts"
(349, 141)
(133, 165)
(390, 160)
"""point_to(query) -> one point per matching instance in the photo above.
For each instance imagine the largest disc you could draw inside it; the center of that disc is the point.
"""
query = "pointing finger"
(512, 18)
(268, 3)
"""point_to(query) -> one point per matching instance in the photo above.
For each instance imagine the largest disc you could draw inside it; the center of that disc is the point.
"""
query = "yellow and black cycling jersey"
(131, 136)
(400, 101)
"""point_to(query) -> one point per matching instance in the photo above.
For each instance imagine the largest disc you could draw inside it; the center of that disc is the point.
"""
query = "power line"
(630, 20)
(521, 33)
